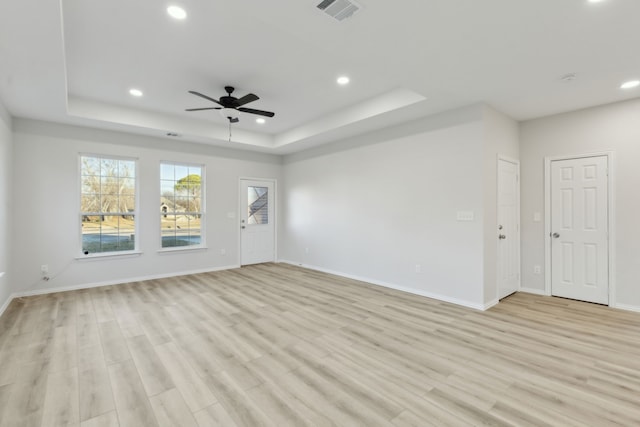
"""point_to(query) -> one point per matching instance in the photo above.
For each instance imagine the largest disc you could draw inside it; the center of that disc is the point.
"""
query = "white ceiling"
(74, 62)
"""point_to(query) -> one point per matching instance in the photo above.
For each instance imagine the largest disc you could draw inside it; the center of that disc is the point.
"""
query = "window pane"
(91, 184)
(258, 205)
(90, 203)
(127, 168)
(167, 188)
(89, 166)
(127, 204)
(168, 230)
(167, 171)
(108, 167)
(127, 186)
(109, 185)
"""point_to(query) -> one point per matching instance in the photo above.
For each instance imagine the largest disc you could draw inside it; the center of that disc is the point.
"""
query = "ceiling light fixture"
(135, 92)
(596, 1)
(176, 12)
(230, 113)
(261, 121)
(343, 80)
(630, 84)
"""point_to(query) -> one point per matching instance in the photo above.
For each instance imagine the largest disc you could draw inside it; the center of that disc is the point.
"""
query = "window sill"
(110, 255)
(182, 249)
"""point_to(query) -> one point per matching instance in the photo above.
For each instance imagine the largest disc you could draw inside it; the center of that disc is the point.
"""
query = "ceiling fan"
(230, 106)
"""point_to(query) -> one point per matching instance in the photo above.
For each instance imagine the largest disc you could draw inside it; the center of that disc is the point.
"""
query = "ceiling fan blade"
(236, 120)
(199, 109)
(204, 96)
(258, 112)
(246, 99)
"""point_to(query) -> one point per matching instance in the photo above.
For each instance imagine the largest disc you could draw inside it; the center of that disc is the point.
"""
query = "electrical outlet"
(44, 269)
(418, 268)
(223, 251)
(537, 269)
(306, 250)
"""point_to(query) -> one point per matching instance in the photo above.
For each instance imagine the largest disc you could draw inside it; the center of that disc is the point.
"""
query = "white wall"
(500, 138)
(46, 204)
(6, 154)
(375, 211)
(614, 127)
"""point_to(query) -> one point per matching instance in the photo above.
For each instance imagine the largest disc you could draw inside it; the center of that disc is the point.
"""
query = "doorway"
(508, 232)
(578, 233)
(257, 221)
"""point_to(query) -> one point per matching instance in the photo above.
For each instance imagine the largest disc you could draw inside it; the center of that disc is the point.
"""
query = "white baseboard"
(627, 307)
(490, 304)
(6, 304)
(413, 291)
(532, 291)
(109, 283)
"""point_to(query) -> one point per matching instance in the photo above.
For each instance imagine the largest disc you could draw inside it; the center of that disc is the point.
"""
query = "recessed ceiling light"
(135, 92)
(176, 12)
(630, 84)
(343, 80)
(595, 1)
(261, 121)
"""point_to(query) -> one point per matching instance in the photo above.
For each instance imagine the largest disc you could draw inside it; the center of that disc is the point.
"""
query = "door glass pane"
(258, 205)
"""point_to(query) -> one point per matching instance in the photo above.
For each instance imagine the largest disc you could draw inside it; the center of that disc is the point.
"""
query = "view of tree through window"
(108, 204)
(181, 211)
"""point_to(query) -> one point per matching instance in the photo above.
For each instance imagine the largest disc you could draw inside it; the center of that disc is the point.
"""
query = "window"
(181, 207)
(258, 205)
(108, 204)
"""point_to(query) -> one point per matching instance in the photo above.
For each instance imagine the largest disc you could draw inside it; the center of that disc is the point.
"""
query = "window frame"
(135, 213)
(203, 207)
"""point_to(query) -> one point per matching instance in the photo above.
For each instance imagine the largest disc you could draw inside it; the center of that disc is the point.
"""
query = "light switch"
(231, 215)
(537, 217)
(464, 216)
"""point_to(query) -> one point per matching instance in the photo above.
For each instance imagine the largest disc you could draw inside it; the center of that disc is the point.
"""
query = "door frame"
(273, 181)
(517, 163)
(611, 205)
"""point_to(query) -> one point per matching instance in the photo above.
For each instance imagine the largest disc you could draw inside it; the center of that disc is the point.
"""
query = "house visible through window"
(108, 204)
(181, 207)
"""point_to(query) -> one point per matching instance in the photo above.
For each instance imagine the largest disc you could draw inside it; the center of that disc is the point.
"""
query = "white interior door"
(579, 229)
(508, 227)
(257, 221)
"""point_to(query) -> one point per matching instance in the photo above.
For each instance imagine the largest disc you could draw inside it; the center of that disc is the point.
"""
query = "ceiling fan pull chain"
(229, 130)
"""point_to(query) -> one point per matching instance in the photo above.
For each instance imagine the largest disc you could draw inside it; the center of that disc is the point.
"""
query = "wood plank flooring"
(276, 345)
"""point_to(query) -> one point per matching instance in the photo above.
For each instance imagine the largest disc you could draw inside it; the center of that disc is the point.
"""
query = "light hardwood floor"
(276, 345)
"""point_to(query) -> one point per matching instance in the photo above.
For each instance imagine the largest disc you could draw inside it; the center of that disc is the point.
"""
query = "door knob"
(556, 235)
(502, 237)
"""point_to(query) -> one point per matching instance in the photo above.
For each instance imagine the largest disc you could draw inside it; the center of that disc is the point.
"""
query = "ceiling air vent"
(339, 9)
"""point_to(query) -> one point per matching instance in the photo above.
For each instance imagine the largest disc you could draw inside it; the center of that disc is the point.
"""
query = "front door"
(508, 232)
(257, 221)
(579, 229)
